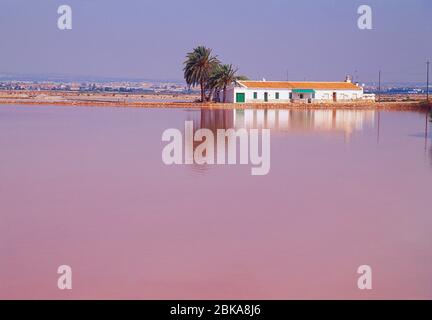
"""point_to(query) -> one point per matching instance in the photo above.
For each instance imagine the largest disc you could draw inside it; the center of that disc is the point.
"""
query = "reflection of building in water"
(346, 121)
(342, 121)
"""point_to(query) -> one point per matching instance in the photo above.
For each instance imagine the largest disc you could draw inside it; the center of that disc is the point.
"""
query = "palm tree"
(222, 76)
(198, 67)
(214, 83)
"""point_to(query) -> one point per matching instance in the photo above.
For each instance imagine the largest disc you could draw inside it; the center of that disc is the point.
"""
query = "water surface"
(87, 187)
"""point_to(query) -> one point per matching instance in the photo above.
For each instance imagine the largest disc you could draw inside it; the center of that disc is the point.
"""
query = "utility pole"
(287, 75)
(427, 81)
(379, 86)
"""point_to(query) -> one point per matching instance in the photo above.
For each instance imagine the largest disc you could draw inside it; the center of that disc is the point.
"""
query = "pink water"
(86, 187)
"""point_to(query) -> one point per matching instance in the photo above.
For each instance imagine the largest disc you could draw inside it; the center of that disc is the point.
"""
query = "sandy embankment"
(189, 101)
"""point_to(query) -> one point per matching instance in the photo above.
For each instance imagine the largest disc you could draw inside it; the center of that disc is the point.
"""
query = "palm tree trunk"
(202, 91)
(217, 95)
(224, 94)
(210, 95)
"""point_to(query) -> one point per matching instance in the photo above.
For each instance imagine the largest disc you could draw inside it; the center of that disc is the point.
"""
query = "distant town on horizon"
(91, 83)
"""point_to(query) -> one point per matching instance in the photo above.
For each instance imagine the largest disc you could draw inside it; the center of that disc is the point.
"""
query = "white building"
(287, 91)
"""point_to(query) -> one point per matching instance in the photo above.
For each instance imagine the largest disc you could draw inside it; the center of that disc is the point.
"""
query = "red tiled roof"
(300, 85)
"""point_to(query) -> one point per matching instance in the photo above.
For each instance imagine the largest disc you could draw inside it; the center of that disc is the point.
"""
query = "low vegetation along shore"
(389, 102)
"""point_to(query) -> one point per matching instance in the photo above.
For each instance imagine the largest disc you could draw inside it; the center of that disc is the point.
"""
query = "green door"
(240, 97)
(266, 96)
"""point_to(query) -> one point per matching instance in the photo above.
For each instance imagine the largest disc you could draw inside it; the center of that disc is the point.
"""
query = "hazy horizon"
(70, 78)
(311, 40)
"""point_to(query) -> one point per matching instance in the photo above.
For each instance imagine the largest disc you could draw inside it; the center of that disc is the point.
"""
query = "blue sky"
(313, 39)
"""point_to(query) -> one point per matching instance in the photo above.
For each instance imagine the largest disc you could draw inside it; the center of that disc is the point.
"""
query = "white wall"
(320, 95)
(341, 95)
(249, 94)
(297, 95)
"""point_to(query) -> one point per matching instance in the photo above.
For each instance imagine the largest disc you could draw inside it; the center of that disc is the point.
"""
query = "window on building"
(301, 95)
(290, 95)
(255, 95)
(277, 96)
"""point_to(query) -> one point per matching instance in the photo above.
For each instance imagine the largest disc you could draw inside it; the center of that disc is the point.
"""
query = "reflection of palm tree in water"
(216, 119)
(211, 120)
